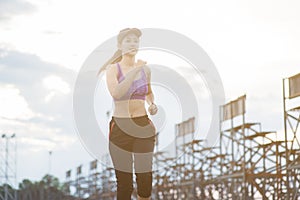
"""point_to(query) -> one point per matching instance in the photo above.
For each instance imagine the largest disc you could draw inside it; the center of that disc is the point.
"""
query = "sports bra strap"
(120, 73)
(138, 89)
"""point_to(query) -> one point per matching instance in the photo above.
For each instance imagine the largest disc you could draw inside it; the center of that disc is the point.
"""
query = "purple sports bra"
(138, 88)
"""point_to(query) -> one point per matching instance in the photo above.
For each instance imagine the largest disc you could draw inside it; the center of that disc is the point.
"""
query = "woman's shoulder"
(111, 70)
(112, 67)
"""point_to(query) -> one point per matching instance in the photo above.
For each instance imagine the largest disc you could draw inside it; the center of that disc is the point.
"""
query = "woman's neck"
(127, 61)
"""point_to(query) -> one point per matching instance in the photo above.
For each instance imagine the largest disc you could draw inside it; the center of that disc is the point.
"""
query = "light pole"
(49, 170)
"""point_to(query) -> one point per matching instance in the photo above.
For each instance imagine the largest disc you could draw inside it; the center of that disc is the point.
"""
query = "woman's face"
(130, 44)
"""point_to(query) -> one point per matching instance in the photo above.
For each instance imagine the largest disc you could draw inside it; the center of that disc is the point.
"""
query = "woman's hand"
(140, 63)
(152, 109)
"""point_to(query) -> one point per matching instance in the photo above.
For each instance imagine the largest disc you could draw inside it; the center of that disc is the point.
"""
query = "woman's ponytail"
(115, 58)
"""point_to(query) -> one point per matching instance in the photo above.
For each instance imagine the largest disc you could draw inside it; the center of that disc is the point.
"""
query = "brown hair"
(114, 59)
(118, 54)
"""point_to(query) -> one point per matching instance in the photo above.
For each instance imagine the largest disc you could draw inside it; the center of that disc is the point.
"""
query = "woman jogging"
(131, 133)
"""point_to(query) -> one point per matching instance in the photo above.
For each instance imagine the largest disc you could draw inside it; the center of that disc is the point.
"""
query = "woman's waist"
(124, 117)
(136, 114)
(129, 109)
(130, 106)
(132, 124)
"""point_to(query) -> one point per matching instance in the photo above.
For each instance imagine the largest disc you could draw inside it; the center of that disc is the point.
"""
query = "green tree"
(48, 187)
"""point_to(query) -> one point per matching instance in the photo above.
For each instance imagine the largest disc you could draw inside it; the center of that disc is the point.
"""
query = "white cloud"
(13, 104)
(50, 96)
(56, 85)
(11, 8)
(34, 137)
(36, 144)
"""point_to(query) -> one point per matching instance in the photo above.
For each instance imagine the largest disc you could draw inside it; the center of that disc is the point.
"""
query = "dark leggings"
(132, 142)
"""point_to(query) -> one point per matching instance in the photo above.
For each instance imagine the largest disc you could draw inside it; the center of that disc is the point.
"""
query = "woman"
(132, 134)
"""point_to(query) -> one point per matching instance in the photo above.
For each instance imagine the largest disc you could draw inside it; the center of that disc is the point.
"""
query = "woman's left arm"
(150, 97)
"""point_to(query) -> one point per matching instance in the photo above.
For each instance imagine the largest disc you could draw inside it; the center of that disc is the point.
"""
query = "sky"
(44, 43)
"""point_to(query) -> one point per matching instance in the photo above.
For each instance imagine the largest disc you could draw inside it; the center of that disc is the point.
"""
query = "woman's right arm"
(116, 89)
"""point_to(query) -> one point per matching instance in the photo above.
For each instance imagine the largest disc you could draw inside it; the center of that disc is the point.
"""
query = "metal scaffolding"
(252, 163)
(291, 109)
(249, 163)
(98, 184)
(8, 163)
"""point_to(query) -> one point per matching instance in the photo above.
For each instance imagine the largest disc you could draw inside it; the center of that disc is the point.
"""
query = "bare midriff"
(130, 108)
